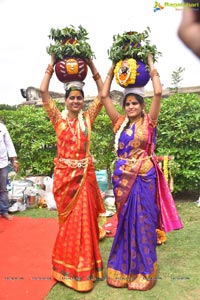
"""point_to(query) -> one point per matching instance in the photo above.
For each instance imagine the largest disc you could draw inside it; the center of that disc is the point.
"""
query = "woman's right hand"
(150, 61)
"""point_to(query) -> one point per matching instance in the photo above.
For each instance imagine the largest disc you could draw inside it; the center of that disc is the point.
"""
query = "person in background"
(76, 257)
(142, 196)
(7, 151)
(189, 27)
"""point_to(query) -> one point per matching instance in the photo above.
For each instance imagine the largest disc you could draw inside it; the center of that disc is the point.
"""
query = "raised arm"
(96, 76)
(105, 96)
(157, 90)
(44, 87)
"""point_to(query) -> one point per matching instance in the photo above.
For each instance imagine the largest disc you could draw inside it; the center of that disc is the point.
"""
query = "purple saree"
(141, 208)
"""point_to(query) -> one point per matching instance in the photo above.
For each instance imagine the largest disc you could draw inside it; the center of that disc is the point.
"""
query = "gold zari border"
(81, 286)
(139, 282)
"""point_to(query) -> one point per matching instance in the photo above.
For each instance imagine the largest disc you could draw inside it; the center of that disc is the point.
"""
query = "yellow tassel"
(165, 168)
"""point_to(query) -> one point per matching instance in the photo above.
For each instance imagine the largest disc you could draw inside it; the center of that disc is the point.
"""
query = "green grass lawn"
(178, 261)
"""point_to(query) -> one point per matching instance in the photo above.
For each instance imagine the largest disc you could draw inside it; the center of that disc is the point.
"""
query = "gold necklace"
(74, 138)
(129, 130)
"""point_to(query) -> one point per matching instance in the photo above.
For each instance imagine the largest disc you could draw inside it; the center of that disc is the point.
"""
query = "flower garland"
(167, 163)
(65, 113)
(81, 121)
(125, 72)
(118, 133)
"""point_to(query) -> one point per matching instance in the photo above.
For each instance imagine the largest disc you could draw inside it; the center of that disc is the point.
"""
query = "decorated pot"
(71, 69)
(131, 73)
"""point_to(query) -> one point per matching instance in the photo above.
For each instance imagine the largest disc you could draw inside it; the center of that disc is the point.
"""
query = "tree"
(176, 78)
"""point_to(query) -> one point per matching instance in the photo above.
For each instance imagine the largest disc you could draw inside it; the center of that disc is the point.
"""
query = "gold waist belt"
(75, 163)
(134, 160)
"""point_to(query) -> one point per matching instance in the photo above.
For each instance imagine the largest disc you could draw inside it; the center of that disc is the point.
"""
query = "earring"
(143, 113)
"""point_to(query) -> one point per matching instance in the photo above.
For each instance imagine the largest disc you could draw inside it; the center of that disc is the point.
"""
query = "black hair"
(139, 98)
(67, 92)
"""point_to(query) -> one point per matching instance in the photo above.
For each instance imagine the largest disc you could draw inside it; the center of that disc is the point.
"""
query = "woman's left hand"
(88, 61)
(53, 59)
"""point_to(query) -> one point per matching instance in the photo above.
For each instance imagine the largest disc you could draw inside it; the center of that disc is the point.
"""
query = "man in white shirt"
(7, 151)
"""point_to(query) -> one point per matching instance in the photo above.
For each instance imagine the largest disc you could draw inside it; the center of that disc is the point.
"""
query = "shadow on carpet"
(25, 260)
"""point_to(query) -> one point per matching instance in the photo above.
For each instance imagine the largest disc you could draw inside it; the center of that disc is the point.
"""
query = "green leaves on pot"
(133, 45)
(70, 42)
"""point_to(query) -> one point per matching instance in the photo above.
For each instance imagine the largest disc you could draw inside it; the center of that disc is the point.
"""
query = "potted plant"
(70, 48)
(129, 52)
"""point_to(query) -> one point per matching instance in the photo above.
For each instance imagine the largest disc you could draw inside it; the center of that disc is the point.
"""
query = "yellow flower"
(126, 71)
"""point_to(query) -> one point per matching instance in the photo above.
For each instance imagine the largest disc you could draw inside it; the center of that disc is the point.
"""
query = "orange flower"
(161, 237)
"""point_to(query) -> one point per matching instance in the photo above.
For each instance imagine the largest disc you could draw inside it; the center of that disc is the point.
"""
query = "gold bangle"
(110, 75)
(96, 76)
(154, 73)
(50, 67)
(49, 70)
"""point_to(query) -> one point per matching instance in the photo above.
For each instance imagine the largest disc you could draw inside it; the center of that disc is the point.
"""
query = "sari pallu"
(76, 257)
(132, 262)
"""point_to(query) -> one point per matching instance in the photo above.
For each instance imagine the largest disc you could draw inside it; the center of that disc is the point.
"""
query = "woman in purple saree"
(143, 199)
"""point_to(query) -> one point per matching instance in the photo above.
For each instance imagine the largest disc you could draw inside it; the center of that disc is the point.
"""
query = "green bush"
(34, 139)
(178, 135)
(102, 141)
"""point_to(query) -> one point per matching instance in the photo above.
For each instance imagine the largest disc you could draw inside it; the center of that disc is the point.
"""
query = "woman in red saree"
(143, 199)
(76, 257)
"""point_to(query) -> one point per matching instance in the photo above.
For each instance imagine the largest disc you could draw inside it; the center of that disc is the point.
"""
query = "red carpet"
(25, 257)
(110, 226)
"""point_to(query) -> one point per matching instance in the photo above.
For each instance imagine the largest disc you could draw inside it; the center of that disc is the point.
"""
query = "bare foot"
(7, 217)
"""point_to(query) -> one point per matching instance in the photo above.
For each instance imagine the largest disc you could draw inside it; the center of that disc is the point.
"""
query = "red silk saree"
(76, 257)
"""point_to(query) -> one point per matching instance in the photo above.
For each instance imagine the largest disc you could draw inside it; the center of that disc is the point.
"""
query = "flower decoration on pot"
(131, 73)
(70, 49)
(71, 69)
(129, 52)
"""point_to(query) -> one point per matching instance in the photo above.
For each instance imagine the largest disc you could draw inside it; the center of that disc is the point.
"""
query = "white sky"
(25, 26)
